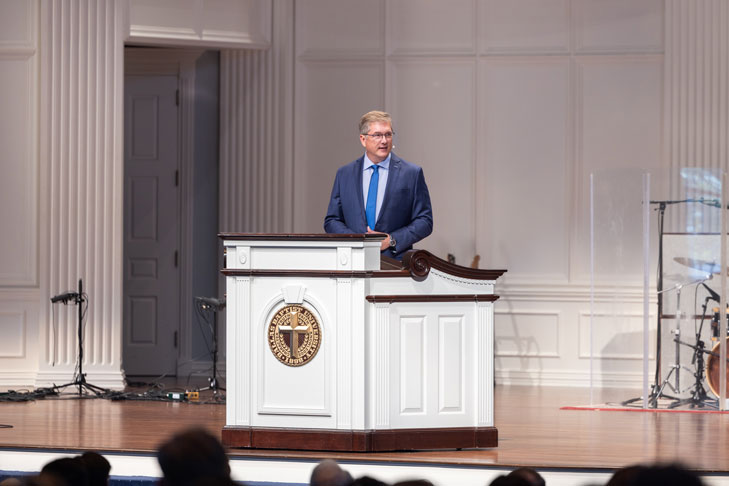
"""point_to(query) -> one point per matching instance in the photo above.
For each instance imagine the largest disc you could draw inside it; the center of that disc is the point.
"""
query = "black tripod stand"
(79, 379)
(213, 305)
(657, 386)
(698, 398)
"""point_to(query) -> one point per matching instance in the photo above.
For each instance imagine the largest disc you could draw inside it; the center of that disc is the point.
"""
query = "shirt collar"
(385, 164)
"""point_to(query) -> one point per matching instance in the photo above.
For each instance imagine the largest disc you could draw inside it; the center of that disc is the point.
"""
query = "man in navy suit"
(380, 192)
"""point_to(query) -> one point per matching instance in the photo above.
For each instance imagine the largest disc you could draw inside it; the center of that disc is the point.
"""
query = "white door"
(151, 226)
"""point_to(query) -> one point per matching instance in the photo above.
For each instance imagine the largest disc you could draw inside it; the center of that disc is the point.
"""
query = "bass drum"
(712, 370)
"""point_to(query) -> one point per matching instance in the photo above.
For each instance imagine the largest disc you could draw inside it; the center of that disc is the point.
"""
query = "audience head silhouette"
(625, 476)
(368, 481)
(193, 457)
(68, 471)
(663, 475)
(328, 473)
(97, 468)
(527, 476)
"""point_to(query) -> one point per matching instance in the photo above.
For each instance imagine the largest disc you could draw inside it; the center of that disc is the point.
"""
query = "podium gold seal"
(294, 335)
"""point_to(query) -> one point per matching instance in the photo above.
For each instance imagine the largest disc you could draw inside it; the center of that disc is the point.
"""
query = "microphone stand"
(214, 306)
(79, 379)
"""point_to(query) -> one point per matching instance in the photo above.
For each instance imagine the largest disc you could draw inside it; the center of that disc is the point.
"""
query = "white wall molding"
(626, 292)
(20, 27)
(17, 378)
(618, 27)
(19, 186)
(433, 27)
(525, 336)
(201, 23)
(111, 379)
(581, 379)
(19, 192)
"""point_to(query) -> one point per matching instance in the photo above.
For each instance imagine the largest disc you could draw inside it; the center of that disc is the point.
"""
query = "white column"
(381, 359)
(256, 133)
(696, 88)
(485, 364)
(81, 184)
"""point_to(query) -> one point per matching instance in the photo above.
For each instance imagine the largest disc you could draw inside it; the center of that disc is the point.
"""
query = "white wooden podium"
(404, 357)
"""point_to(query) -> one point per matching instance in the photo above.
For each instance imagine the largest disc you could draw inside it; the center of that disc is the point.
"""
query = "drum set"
(712, 362)
(706, 363)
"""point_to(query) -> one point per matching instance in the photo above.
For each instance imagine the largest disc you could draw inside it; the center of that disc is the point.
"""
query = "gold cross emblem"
(294, 335)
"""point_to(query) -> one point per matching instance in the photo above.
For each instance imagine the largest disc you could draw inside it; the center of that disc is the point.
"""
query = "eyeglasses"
(379, 136)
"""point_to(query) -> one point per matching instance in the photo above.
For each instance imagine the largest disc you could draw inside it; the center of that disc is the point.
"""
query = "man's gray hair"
(372, 117)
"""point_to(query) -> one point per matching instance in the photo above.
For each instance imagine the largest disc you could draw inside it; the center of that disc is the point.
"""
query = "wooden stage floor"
(533, 431)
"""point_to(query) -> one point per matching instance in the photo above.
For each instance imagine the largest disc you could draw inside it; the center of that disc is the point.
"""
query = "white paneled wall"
(19, 191)
(508, 105)
(19, 139)
(61, 186)
(520, 182)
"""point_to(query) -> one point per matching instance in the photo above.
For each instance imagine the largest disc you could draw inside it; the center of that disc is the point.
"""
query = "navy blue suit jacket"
(405, 214)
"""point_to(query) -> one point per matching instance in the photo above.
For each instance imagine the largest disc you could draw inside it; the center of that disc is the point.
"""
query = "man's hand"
(385, 243)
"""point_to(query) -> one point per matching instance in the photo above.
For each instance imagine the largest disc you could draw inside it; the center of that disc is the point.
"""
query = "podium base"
(360, 440)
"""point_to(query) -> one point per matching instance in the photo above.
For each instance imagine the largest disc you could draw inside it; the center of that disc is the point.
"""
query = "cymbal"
(701, 265)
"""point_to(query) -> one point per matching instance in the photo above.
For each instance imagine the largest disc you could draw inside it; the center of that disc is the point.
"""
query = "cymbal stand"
(676, 367)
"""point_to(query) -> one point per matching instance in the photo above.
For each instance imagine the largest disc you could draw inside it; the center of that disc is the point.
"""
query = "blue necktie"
(371, 207)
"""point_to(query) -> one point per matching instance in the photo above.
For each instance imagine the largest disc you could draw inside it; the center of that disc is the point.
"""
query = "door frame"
(140, 61)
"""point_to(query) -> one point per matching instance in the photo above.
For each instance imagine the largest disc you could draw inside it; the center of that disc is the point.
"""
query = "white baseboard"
(17, 379)
(633, 380)
(114, 380)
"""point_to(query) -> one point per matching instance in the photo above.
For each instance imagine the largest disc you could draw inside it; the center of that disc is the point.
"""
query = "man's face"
(377, 148)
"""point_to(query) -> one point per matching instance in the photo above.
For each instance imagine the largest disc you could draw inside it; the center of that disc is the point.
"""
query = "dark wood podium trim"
(416, 263)
(433, 298)
(419, 263)
(360, 441)
(299, 273)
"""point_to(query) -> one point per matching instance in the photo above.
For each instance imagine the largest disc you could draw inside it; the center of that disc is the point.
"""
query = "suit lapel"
(358, 188)
(392, 176)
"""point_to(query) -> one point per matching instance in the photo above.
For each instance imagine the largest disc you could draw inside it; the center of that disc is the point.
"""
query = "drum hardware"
(699, 398)
(712, 368)
(657, 386)
(715, 320)
(657, 389)
(676, 367)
